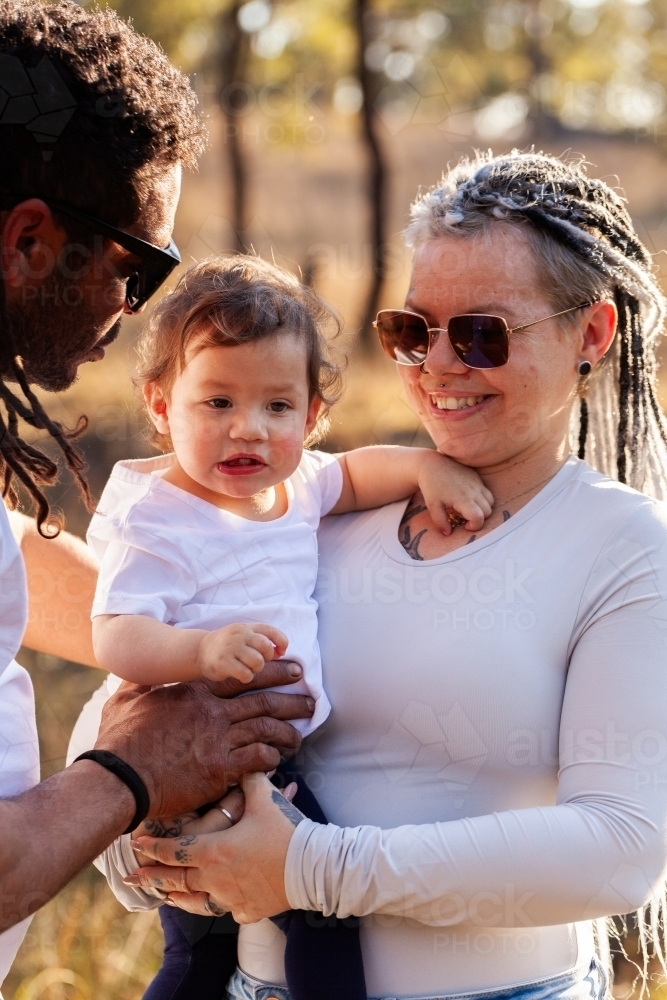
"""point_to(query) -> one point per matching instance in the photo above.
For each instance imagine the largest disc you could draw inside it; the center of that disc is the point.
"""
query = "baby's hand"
(239, 651)
(448, 487)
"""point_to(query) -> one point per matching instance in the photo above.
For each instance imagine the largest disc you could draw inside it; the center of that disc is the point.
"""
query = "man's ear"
(314, 411)
(31, 242)
(156, 404)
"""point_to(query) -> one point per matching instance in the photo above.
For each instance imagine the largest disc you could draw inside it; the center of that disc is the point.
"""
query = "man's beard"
(53, 337)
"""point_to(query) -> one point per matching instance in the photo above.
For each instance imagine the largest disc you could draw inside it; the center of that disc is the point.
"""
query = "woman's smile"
(457, 407)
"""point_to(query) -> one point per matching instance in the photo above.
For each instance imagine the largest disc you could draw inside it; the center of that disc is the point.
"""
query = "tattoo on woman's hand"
(164, 828)
(182, 855)
(287, 809)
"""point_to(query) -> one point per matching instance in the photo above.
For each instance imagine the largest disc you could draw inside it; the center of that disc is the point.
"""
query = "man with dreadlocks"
(495, 767)
(95, 125)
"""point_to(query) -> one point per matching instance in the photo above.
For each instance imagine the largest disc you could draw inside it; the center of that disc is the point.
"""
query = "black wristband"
(128, 776)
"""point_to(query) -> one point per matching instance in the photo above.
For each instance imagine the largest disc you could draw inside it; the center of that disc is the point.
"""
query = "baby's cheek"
(286, 449)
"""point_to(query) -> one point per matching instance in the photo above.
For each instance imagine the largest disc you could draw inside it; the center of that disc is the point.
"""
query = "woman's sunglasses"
(479, 341)
(156, 264)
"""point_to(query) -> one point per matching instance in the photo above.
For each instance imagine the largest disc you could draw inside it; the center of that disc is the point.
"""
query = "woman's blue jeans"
(581, 984)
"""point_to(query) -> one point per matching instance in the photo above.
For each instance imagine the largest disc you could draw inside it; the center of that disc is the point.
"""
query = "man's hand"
(241, 869)
(190, 742)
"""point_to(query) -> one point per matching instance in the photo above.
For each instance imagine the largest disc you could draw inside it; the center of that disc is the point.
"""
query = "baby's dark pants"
(322, 954)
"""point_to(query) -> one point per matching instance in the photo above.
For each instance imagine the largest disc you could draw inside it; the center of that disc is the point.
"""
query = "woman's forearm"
(532, 867)
(144, 651)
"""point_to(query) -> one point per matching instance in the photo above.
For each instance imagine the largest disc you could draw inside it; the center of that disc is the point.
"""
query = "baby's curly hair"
(224, 301)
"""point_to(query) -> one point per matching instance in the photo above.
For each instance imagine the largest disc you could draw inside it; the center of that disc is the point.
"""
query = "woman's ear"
(314, 411)
(598, 333)
(156, 404)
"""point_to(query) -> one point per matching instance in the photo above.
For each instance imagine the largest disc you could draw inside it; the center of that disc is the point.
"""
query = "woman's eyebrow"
(409, 305)
(484, 309)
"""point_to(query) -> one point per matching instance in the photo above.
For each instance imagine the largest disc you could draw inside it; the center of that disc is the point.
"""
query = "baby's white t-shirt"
(180, 560)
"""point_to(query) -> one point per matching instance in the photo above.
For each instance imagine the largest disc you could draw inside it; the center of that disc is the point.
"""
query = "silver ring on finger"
(184, 882)
(207, 906)
(227, 813)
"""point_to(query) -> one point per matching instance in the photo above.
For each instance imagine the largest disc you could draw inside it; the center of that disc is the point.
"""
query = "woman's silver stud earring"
(584, 368)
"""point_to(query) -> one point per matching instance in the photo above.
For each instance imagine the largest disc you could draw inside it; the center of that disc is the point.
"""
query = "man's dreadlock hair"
(587, 249)
(20, 460)
(126, 115)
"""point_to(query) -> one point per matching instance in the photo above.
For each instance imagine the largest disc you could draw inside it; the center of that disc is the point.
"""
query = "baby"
(209, 554)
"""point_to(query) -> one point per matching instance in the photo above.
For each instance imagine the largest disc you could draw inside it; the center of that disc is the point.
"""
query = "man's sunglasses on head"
(478, 340)
(156, 264)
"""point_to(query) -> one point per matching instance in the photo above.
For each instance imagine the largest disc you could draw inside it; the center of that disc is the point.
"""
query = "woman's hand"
(211, 822)
(241, 869)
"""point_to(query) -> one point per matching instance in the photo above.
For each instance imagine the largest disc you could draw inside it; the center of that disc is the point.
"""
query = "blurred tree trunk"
(544, 124)
(234, 51)
(377, 178)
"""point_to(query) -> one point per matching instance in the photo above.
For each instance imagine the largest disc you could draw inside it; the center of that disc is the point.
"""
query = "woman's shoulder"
(611, 504)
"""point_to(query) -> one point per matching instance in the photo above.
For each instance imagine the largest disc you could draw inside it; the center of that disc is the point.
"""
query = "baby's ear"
(313, 413)
(156, 404)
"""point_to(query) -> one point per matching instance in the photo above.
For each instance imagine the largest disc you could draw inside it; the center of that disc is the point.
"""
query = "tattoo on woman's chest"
(409, 541)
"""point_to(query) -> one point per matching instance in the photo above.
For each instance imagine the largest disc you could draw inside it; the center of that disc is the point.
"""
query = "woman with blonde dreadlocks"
(495, 764)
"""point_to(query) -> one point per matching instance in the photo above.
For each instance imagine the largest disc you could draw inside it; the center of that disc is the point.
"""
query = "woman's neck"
(513, 483)
(519, 478)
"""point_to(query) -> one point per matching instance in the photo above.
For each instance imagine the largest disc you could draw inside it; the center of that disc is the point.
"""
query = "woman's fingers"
(177, 851)
(192, 902)
(166, 879)
(215, 819)
(290, 790)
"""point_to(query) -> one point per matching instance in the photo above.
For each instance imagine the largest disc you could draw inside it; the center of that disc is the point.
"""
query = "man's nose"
(441, 359)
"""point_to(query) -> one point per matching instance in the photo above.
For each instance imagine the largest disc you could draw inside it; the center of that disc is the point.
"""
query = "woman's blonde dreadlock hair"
(588, 249)
(21, 462)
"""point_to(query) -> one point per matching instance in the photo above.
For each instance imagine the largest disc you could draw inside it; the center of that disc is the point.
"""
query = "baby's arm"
(379, 475)
(140, 649)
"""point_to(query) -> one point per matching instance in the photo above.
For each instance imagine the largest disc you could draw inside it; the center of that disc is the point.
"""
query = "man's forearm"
(53, 831)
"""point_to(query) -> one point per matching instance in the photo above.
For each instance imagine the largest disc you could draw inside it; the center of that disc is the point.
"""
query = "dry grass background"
(84, 946)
